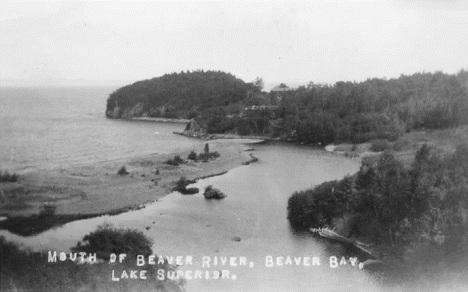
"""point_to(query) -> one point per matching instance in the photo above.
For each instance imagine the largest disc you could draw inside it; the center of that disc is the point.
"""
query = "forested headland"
(178, 95)
(352, 112)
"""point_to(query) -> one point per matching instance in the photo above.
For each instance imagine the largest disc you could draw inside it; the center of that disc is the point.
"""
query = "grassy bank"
(86, 191)
(405, 147)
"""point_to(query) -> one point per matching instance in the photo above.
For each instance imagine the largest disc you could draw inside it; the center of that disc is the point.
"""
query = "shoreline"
(97, 189)
(159, 120)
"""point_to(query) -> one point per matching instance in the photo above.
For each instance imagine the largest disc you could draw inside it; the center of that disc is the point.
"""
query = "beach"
(96, 188)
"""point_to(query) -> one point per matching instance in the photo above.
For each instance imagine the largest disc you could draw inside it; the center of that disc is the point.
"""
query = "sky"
(109, 42)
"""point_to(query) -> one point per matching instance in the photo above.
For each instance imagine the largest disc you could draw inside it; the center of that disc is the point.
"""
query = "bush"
(48, 210)
(210, 155)
(380, 145)
(108, 239)
(192, 155)
(24, 270)
(177, 160)
(7, 177)
(401, 144)
(122, 171)
(182, 183)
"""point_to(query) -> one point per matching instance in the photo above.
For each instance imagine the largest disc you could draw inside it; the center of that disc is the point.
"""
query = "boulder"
(211, 193)
(193, 129)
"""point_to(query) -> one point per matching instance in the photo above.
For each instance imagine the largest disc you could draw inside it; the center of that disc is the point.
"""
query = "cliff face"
(126, 113)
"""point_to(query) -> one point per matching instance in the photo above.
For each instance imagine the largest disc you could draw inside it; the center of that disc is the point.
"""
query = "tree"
(282, 85)
(258, 83)
(108, 239)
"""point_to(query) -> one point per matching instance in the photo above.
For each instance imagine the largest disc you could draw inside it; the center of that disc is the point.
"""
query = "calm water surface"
(55, 127)
(254, 210)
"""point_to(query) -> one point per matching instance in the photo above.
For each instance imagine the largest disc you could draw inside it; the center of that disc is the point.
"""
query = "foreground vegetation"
(23, 270)
(5, 176)
(416, 214)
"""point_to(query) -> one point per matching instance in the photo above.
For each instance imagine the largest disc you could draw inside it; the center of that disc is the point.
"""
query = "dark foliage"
(122, 171)
(5, 176)
(419, 207)
(181, 184)
(48, 210)
(177, 160)
(208, 155)
(35, 224)
(107, 239)
(23, 270)
(183, 94)
(205, 156)
(192, 155)
(352, 112)
(380, 145)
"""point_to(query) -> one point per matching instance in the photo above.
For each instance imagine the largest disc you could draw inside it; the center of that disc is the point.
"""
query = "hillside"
(315, 114)
(178, 95)
(354, 112)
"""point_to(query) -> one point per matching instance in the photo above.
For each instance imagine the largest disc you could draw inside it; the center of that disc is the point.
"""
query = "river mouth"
(251, 222)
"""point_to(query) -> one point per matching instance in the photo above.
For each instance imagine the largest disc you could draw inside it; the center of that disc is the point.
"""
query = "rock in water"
(193, 129)
(211, 193)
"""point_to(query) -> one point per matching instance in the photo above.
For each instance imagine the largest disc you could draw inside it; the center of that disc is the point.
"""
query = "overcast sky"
(96, 42)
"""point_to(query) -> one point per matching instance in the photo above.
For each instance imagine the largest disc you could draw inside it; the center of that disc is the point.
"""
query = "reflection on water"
(255, 211)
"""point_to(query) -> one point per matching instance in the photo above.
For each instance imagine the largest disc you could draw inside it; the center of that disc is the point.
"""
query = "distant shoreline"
(163, 120)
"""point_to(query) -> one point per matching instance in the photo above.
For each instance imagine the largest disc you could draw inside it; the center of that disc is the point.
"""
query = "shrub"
(210, 155)
(122, 171)
(182, 183)
(48, 210)
(157, 172)
(7, 177)
(177, 160)
(380, 145)
(192, 155)
(24, 270)
(401, 144)
(108, 239)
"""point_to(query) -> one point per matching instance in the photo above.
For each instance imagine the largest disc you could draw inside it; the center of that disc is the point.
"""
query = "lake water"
(57, 127)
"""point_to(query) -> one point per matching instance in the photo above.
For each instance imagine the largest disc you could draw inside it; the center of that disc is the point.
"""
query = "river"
(255, 211)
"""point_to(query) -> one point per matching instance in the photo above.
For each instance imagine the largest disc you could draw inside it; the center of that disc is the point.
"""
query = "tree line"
(343, 112)
(355, 112)
(421, 209)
